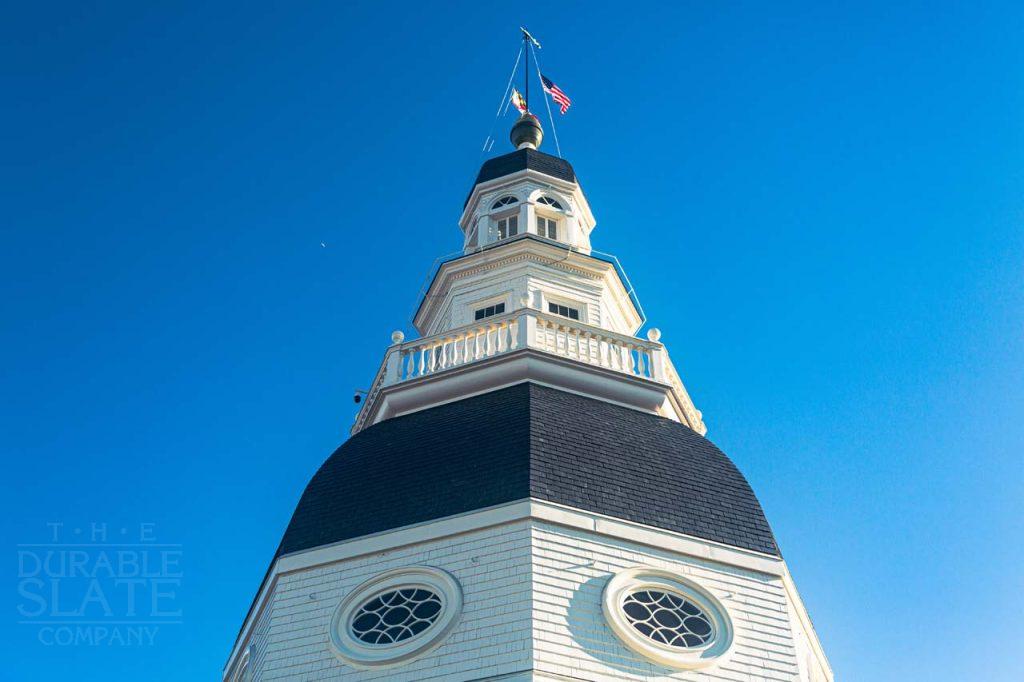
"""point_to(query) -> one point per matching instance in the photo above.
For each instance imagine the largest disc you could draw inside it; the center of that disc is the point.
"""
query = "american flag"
(561, 99)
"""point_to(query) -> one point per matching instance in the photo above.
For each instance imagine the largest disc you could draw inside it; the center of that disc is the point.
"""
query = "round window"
(667, 618)
(396, 616)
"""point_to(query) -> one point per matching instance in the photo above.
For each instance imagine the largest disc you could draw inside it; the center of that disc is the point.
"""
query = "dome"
(520, 160)
(521, 442)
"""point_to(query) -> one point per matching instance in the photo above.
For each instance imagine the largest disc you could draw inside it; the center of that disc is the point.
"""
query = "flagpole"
(526, 72)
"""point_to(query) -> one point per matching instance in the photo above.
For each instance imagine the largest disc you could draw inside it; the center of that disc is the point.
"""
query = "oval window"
(396, 616)
(667, 618)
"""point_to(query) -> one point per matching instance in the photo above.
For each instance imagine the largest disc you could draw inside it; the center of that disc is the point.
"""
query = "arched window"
(548, 201)
(504, 201)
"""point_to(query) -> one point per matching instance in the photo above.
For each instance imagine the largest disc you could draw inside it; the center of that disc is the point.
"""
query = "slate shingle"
(528, 441)
(523, 159)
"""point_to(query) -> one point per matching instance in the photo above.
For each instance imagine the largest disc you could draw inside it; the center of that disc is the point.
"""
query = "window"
(489, 311)
(508, 227)
(546, 227)
(397, 616)
(504, 201)
(563, 310)
(548, 201)
(667, 618)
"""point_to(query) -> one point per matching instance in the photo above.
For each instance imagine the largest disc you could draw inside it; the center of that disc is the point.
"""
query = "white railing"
(596, 346)
(525, 328)
(462, 346)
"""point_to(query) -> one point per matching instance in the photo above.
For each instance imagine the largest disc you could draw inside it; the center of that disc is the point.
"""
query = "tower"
(527, 493)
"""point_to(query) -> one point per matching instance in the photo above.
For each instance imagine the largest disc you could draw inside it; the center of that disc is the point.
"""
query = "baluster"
(499, 333)
(640, 361)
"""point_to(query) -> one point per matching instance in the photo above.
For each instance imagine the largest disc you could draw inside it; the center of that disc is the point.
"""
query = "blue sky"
(819, 205)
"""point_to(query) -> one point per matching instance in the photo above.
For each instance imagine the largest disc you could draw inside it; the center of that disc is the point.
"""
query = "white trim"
(581, 307)
(511, 512)
(521, 250)
(515, 367)
(471, 308)
(647, 577)
(805, 620)
(358, 654)
(549, 182)
(242, 672)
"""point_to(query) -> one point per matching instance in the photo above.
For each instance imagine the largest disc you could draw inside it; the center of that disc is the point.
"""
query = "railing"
(595, 346)
(433, 354)
(525, 328)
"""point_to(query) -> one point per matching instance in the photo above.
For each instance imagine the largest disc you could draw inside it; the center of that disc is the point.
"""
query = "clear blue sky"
(819, 205)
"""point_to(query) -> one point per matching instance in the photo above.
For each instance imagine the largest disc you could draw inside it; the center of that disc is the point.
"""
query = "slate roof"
(528, 441)
(523, 159)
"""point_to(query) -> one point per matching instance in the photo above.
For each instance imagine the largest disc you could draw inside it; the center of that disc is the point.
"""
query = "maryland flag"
(518, 101)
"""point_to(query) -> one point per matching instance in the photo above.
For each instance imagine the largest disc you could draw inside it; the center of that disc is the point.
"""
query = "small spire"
(527, 133)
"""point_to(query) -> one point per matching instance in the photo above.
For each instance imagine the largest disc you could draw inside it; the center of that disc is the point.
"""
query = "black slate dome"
(528, 441)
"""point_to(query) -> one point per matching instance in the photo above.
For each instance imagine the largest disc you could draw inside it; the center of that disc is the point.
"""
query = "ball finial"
(526, 133)
(397, 336)
(653, 334)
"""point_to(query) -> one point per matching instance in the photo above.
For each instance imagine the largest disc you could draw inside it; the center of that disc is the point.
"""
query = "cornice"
(523, 248)
(525, 510)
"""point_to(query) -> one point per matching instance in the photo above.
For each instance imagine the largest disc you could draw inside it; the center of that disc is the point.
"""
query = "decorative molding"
(358, 654)
(644, 578)
(513, 512)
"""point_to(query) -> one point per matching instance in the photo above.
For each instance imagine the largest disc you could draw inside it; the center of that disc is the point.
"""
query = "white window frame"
(549, 221)
(514, 202)
(558, 201)
(645, 577)
(471, 308)
(514, 215)
(484, 307)
(568, 303)
(359, 654)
